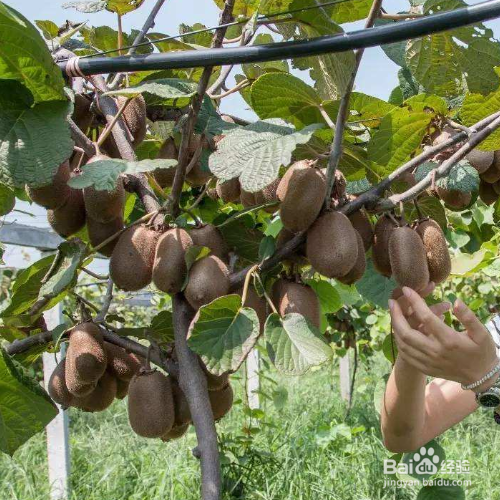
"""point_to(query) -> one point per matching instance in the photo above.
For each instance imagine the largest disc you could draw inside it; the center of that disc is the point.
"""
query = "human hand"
(426, 343)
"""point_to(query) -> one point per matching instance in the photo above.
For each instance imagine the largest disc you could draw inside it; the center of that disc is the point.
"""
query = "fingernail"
(459, 305)
(391, 304)
(407, 291)
(447, 305)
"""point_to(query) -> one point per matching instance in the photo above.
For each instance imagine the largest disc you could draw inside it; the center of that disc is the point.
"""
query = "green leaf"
(123, 6)
(446, 492)
(464, 263)
(223, 333)
(390, 348)
(267, 247)
(172, 91)
(49, 29)
(245, 241)
(256, 152)
(328, 296)
(87, 7)
(394, 51)
(7, 199)
(209, 122)
(254, 70)
(34, 141)
(429, 206)
(400, 134)
(103, 174)
(203, 39)
(25, 408)
(375, 287)
(347, 12)
(295, 345)
(462, 177)
(24, 57)
(427, 458)
(280, 397)
(423, 102)
(162, 327)
(369, 108)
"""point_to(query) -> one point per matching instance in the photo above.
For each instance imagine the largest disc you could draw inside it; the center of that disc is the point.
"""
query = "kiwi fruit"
(356, 273)
(487, 192)
(101, 397)
(267, 195)
(120, 363)
(170, 269)
(55, 194)
(182, 412)
(209, 236)
(221, 401)
(70, 217)
(208, 280)
(57, 386)
(82, 114)
(229, 191)
(258, 304)
(480, 160)
(447, 133)
(131, 264)
(436, 249)
(380, 252)
(408, 258)
(332, 245)
(151, 404)
(168, 151)
(454, 199)
(291, 297)
(197, 175)
(175, 432)
(86, 359)
(214, 382)
(101, 205)
(363, 226)
(101, 231)
(122, 388)
(302, 192)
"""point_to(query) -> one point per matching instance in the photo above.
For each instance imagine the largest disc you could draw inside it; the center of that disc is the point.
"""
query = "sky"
(377, 75)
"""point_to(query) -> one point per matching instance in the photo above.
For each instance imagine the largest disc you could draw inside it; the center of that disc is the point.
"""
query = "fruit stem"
(247, 283)
(266, 296)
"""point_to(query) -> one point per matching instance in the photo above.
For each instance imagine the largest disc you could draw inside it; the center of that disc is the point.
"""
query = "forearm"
(403, 407)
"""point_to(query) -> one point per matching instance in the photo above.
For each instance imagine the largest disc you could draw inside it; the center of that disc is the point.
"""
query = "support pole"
(345, 377)
(253, 379)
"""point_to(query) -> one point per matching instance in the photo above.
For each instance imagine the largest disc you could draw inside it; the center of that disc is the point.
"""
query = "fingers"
(403, 302)
(475, 329)
(437, 309)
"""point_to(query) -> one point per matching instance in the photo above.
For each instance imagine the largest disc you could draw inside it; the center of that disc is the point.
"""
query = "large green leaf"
(24, 57)
(123, 6)
(368, 109)
(92, 6)
(223, 333)
(375, 287)
(25, 408)
(103, 174)
(429, 206)
(209, 122)
(7, 200)
(256, 152)
(34, 140)
(243, 240)
(294, 344)
(328, 296)
(282, 95)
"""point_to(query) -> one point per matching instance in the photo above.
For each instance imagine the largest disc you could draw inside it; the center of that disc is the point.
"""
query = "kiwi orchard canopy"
(290, 232)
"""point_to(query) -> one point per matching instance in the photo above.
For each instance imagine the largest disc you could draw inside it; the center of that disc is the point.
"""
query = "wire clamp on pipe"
(73, 68)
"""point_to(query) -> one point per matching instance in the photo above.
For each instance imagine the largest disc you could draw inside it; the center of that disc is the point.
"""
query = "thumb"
(475, 329)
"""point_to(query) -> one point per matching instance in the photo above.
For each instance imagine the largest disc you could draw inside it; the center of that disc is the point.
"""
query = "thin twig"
(81, 139)
(242, 85)
(247, 283)
(95, 275)
(200, 198)
(459, 126)
(326, 117)
(101, 315)
(105, 133)
(246, 211)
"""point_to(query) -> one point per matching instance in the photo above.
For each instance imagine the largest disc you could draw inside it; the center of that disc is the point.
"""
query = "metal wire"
(260, 18)
(379, 35)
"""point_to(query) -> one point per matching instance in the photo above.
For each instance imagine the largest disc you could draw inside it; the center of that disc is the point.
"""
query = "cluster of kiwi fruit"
(94, 372)
(413, 254)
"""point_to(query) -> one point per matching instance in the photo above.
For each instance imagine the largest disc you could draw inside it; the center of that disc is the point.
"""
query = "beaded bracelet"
(481, 381)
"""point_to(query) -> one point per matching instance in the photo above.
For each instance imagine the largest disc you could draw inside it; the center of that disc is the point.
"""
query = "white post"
(345, 377)
(253, 381)
(58, 429)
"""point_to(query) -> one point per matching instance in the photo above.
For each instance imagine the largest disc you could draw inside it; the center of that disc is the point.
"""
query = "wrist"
(490, 376)
(487, 385)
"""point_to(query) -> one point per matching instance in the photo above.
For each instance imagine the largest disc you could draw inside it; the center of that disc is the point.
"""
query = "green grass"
(301, 452)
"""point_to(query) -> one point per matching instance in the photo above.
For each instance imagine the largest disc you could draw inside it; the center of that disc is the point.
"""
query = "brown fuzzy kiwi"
(122, 388)
(101, 397)
(214, 382)
(356, 273)
(487, 192)
(436, 249)
(208, 280)
(209, 236)
(168, 151)
(481, 160)
(247, 199)
(363, 226)
(332, 245)
(175, 432)
(302, 193)
(182, 412)
(266, 195)
(57, 388)
(447, 133)
(221, 401)
(70, 218)
(170, 269)
(198, 176)
(55, 194)
(380, 252)
(229, 191)
(82, 114)
(99, 232)
(290, 297)
(258, 304)
(120, 363)
(492, 175)
(131, 264)
(408, 259)
(457, 200)
(86, 359)
(151, 404)
(101, 205)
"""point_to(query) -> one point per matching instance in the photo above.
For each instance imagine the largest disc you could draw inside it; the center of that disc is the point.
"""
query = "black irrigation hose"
(379, 35)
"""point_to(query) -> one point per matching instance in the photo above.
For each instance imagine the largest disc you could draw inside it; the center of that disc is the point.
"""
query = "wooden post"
(345, 377)
(253, 380)
(58, 430)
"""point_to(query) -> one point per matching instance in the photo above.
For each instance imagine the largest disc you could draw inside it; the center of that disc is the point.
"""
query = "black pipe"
(380, 35)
